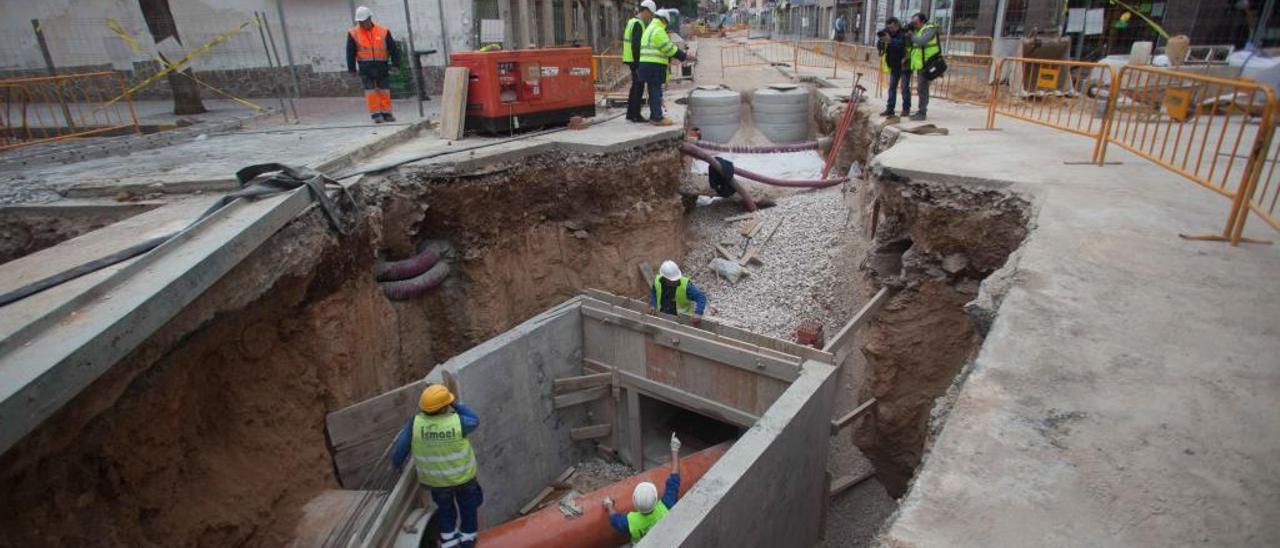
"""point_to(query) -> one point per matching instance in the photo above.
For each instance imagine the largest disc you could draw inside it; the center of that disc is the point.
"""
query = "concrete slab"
(1126, 393)
(337, 132)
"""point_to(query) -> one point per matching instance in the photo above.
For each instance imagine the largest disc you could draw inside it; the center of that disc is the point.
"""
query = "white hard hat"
(644, 497)
(649, 5)
(670, 271)
(363, 14)
(664, 14)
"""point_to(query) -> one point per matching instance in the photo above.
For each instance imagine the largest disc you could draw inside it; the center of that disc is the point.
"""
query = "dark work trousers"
(635, 98)
(901, 78)
(453, 503)
(654, 75)
(922, 91)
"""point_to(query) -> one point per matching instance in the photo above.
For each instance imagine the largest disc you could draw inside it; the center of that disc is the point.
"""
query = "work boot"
(377, 118)
(919, 116)
(887, 112)
(662, 122)
(388, 118)
(639, 119)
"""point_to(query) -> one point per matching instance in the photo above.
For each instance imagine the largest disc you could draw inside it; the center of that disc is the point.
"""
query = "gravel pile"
(595, 473)
(800, 277)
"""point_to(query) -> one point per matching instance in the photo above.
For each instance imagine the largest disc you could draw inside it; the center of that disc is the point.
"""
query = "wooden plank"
(542, 495)
(635, 437)
(676, 396)
(840, 423)
(453, 107)
(769, 236)
(845, 337)
(580, 397)
(569, 384)
(845, 483)
(749, 256)
(646, 274)
(355, 424)
(604, 300)
(755, 230)
(745, 229)
(741, 217)
(590, 432)
(704, 344)
(726, 253)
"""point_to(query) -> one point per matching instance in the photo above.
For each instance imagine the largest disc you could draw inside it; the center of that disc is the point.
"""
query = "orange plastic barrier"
(53, 108)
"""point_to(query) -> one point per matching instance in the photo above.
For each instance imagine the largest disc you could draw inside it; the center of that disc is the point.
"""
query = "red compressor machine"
(520, 89)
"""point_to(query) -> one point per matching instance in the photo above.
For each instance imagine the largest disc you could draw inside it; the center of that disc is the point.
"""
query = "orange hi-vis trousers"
(377, 96)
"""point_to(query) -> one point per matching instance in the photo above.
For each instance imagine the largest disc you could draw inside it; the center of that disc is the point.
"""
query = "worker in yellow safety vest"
(648, 509)
(923, 36)
(673, 293)
(631, 36)
(445, 461)
(372, 51)
(656, 51)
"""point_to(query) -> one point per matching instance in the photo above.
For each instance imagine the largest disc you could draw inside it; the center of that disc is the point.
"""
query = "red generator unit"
(521, 89)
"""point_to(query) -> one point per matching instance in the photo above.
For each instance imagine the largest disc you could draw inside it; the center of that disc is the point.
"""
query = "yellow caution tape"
(181, 63)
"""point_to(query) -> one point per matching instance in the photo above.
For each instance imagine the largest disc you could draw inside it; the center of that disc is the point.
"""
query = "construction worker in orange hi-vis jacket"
(372, 51)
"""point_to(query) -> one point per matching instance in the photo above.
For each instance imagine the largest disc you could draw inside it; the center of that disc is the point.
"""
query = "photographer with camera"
(895, 49)
(926, 59)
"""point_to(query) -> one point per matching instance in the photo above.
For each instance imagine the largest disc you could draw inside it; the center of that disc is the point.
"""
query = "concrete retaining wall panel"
(768, 490)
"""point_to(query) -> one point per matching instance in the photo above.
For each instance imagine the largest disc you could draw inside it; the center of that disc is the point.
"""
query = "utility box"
(521, 89)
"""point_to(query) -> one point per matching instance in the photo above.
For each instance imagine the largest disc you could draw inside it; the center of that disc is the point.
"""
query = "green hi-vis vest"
(635, 25)
(640, 524)
(884, 63)
(441, 454)
(921, 55)
(683, 306)
(655, 46)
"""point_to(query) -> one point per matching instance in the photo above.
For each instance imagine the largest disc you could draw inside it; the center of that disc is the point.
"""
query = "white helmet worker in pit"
(648, 509)
(673, 293)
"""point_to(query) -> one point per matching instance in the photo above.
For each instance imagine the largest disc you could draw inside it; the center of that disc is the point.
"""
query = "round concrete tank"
(781, 113)
(716, 112)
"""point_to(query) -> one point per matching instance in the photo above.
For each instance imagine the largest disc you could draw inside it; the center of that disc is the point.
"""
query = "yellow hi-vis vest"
(639, 524)
(634, 25)
(683, 306)
(655, 46)
(919, 56)
(442, 456)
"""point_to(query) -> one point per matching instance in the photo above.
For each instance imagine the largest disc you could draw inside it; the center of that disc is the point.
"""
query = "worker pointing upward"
(445, 461)
(371, 49)
(649, 510)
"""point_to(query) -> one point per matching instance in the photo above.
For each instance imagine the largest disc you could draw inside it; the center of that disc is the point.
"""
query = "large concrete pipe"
(549, 528)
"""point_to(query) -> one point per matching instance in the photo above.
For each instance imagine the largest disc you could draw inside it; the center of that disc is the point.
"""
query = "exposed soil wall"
(935, 239)
(212, 432)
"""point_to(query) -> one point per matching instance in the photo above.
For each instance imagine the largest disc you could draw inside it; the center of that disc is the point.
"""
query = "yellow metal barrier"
(1264, 191)
(966, 45)
(607, 71)
(53, 108)
(819, 54)
(1216, 132)
(967, 79)
(756, 54)
(1059, 94)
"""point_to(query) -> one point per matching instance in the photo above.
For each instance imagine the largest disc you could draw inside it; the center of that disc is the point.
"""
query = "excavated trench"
(212, 431)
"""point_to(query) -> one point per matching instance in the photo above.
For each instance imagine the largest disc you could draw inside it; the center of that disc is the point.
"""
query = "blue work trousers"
(454, 504)
(654, 75)
(898, 79)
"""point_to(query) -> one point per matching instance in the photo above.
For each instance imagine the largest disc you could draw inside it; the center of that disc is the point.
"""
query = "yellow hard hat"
(434, 398)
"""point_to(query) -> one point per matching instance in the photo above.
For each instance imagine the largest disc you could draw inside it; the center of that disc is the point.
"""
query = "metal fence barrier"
(967, 79)
(53, 108)
(1065, 95)
(966, 45)
(756, 54)
(1214, 131)
(607, 71)
(1264, 191)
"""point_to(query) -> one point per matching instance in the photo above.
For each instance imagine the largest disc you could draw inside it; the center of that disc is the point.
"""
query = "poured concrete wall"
(522, 443)
(769, 489)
